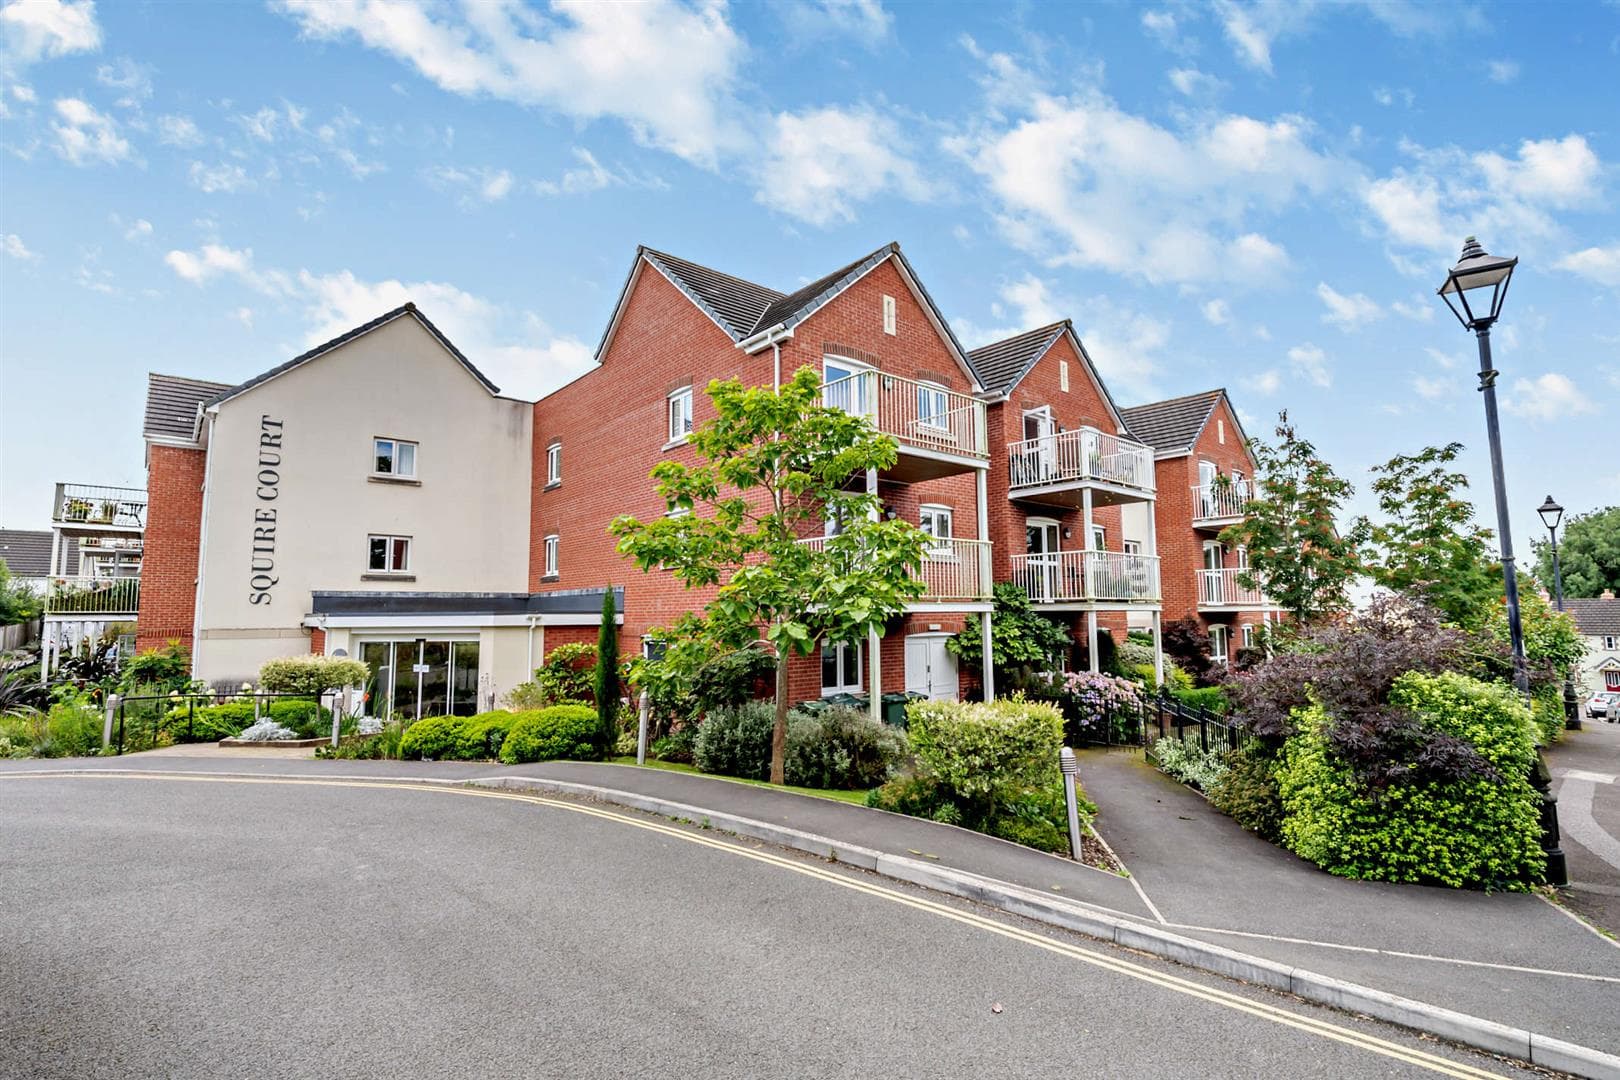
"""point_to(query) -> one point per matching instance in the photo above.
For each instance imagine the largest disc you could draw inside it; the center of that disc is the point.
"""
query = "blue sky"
(1261, 196)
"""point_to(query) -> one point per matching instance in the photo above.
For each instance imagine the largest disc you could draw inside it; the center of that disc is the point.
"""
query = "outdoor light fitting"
(1475, 288)
(1551, 514)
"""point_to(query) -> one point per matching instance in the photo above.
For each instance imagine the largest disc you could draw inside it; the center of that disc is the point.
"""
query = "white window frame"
(553, 555)
(1610, 641)
(937, 417)
(1132, 547)
(930, 516)
(389, 540)
(1063, 376)
(1221, 631)
(1099, 537)
(890, 315)
(680, 403)
(855, 390)
(1248, 635)
(554, 463)
(1220, 430)
(845, 649)
(393, 444)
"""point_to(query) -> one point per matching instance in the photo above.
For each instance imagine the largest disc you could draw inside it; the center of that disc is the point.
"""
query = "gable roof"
(27, 552)
(1595, 616)
(1002, 365)
(172, 403)
(1172, 427)
(407, 308)
(797, 306)
(733, 302)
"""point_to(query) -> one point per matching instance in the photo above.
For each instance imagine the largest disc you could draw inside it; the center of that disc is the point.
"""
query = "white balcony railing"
(93, 596)
(1221, 501)
(90, 504)
(1062, 576)
(951, 569)
(917, 414)
(1220, 589)
(1081, 456)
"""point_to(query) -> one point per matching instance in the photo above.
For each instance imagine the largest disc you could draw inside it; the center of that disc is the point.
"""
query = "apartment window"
(680, 414)
(888, 315)
(393, 457)
(1133, 547)
(932, 406)
(1218, 642)
(653, 649)
(389, 554)
(1611, 641)
(1248, 635)
(847, 385)
(1220, 431)
(840, 668)
(1099, 538)
(554, 463)
(1063, 376)
(553, 543)
(1611, 680)
(936, 522)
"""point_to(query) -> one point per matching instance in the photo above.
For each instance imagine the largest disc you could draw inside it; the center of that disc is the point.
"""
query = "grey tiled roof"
(797, 305)
(171, 404)
(1002, 364)
(1172, 426)
(1595, 616)
(27, 552)
(731, 301)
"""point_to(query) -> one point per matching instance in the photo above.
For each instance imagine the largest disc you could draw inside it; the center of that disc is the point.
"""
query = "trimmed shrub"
(562, 731)
(736, 741)
(1212, 698)
(1247, 793)
(916, 795)
(267, 730)
(840, 748)
(311, 674)
(1188, 762)
(457, 738)
(985, 753)
(309, 718)
(1547, 710)
(732, 679)
(1469, 832)
(677, 746)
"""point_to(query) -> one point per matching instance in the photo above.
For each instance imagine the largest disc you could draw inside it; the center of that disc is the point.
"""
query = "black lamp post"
(1551, 514)
(1474, 290)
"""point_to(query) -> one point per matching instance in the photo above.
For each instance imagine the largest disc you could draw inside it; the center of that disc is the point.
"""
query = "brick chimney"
(1606, 594)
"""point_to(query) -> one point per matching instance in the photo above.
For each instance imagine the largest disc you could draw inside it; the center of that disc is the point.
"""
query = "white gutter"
(768, 336)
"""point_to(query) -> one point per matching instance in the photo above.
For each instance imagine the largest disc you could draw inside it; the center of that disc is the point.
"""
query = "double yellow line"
(1098, 959)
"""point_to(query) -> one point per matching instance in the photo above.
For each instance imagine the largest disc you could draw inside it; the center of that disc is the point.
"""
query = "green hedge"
(842, 749)
(1471, 833)
(1212, 698)
(736, 740)
(208, 723)
(562, 731)
(457, 738)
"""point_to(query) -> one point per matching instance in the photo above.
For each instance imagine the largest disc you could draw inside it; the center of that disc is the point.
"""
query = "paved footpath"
(1586, 778)
(1513, 959)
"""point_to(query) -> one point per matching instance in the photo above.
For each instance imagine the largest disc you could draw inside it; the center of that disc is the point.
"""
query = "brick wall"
(317, 642)
(174, 483)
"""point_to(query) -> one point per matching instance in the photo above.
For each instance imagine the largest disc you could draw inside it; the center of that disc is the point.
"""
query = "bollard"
(643, 707)
(106, 726)
(1071, 769)
(337, 712)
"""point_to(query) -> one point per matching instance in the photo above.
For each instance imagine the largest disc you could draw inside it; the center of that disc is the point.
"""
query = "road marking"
(1589, 777)
(1308, 1024)
(1575, 818)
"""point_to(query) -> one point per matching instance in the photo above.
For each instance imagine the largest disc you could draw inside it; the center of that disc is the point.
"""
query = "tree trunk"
(779, 732)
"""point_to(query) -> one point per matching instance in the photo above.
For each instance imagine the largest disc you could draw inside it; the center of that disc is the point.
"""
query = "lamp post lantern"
(1474, 290)
(1551, 514)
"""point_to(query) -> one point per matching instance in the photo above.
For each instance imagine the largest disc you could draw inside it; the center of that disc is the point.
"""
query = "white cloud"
(244, 315)
(269, 123)
(44, 29)
(1310, 362)
(210, 261)
(591, 175)
(1599, 264)
(133, 80)
(1253, 28)
(665, 69)
(1217, 312)
(1166, 28)
(1431, 388)
(1196, 84)
(1418, 310)
(23, 93)
(1502, 71)
(1348, 312)
(14, 247)
(1444, 359)
(864, 21)
(1081, 182)
(176, 130)
(477, 185)
(85, 136)
(821, 163)
(139, 229)
(1545, 398)
(1266, 383)
(1562, 173)
(225, 177)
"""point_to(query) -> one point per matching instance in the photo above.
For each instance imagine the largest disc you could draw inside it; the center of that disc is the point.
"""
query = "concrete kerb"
(1420, 1016)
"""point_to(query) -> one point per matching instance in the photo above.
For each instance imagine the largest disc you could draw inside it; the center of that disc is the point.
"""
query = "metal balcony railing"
(917, 414)
(1065, 576)
(91, 504)
(1221, 501)
(951, 569)
(93, 596)
(1221, 589)
(1084, 455)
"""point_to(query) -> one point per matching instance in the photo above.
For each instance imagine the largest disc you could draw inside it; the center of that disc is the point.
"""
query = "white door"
(1041, 545)
(930, 668)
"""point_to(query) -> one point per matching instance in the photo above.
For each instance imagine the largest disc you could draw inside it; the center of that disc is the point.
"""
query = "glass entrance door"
(421, 677)
(1041, 544)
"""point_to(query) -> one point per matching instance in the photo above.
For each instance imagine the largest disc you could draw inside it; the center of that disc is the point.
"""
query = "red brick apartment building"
(390, 504)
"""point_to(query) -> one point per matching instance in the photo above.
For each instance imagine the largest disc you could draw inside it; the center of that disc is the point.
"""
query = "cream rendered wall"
(468, 517)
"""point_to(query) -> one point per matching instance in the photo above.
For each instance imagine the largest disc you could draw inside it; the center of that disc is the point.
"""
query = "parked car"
(1604, 704)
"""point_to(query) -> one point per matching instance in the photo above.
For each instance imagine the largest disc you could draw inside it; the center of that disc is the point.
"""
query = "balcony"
(940, 431)
(1088, 577)
(93, 597)
(1219, 590)
(952, 570)
(91, 509)
(1217, 505)
(1054, 470)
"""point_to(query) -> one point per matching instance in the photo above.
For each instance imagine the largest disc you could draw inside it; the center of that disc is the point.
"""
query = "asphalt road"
(201, 927)
(1586, 779)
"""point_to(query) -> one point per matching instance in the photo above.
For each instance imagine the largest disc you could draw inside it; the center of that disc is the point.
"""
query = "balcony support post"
(1091, 641)
(56, 553)
(874, 640)
(1158, 649)
(989, 657)
(981, 509)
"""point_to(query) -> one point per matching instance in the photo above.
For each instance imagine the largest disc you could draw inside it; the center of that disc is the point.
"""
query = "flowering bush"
(1096, 708)
(1188, 762)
